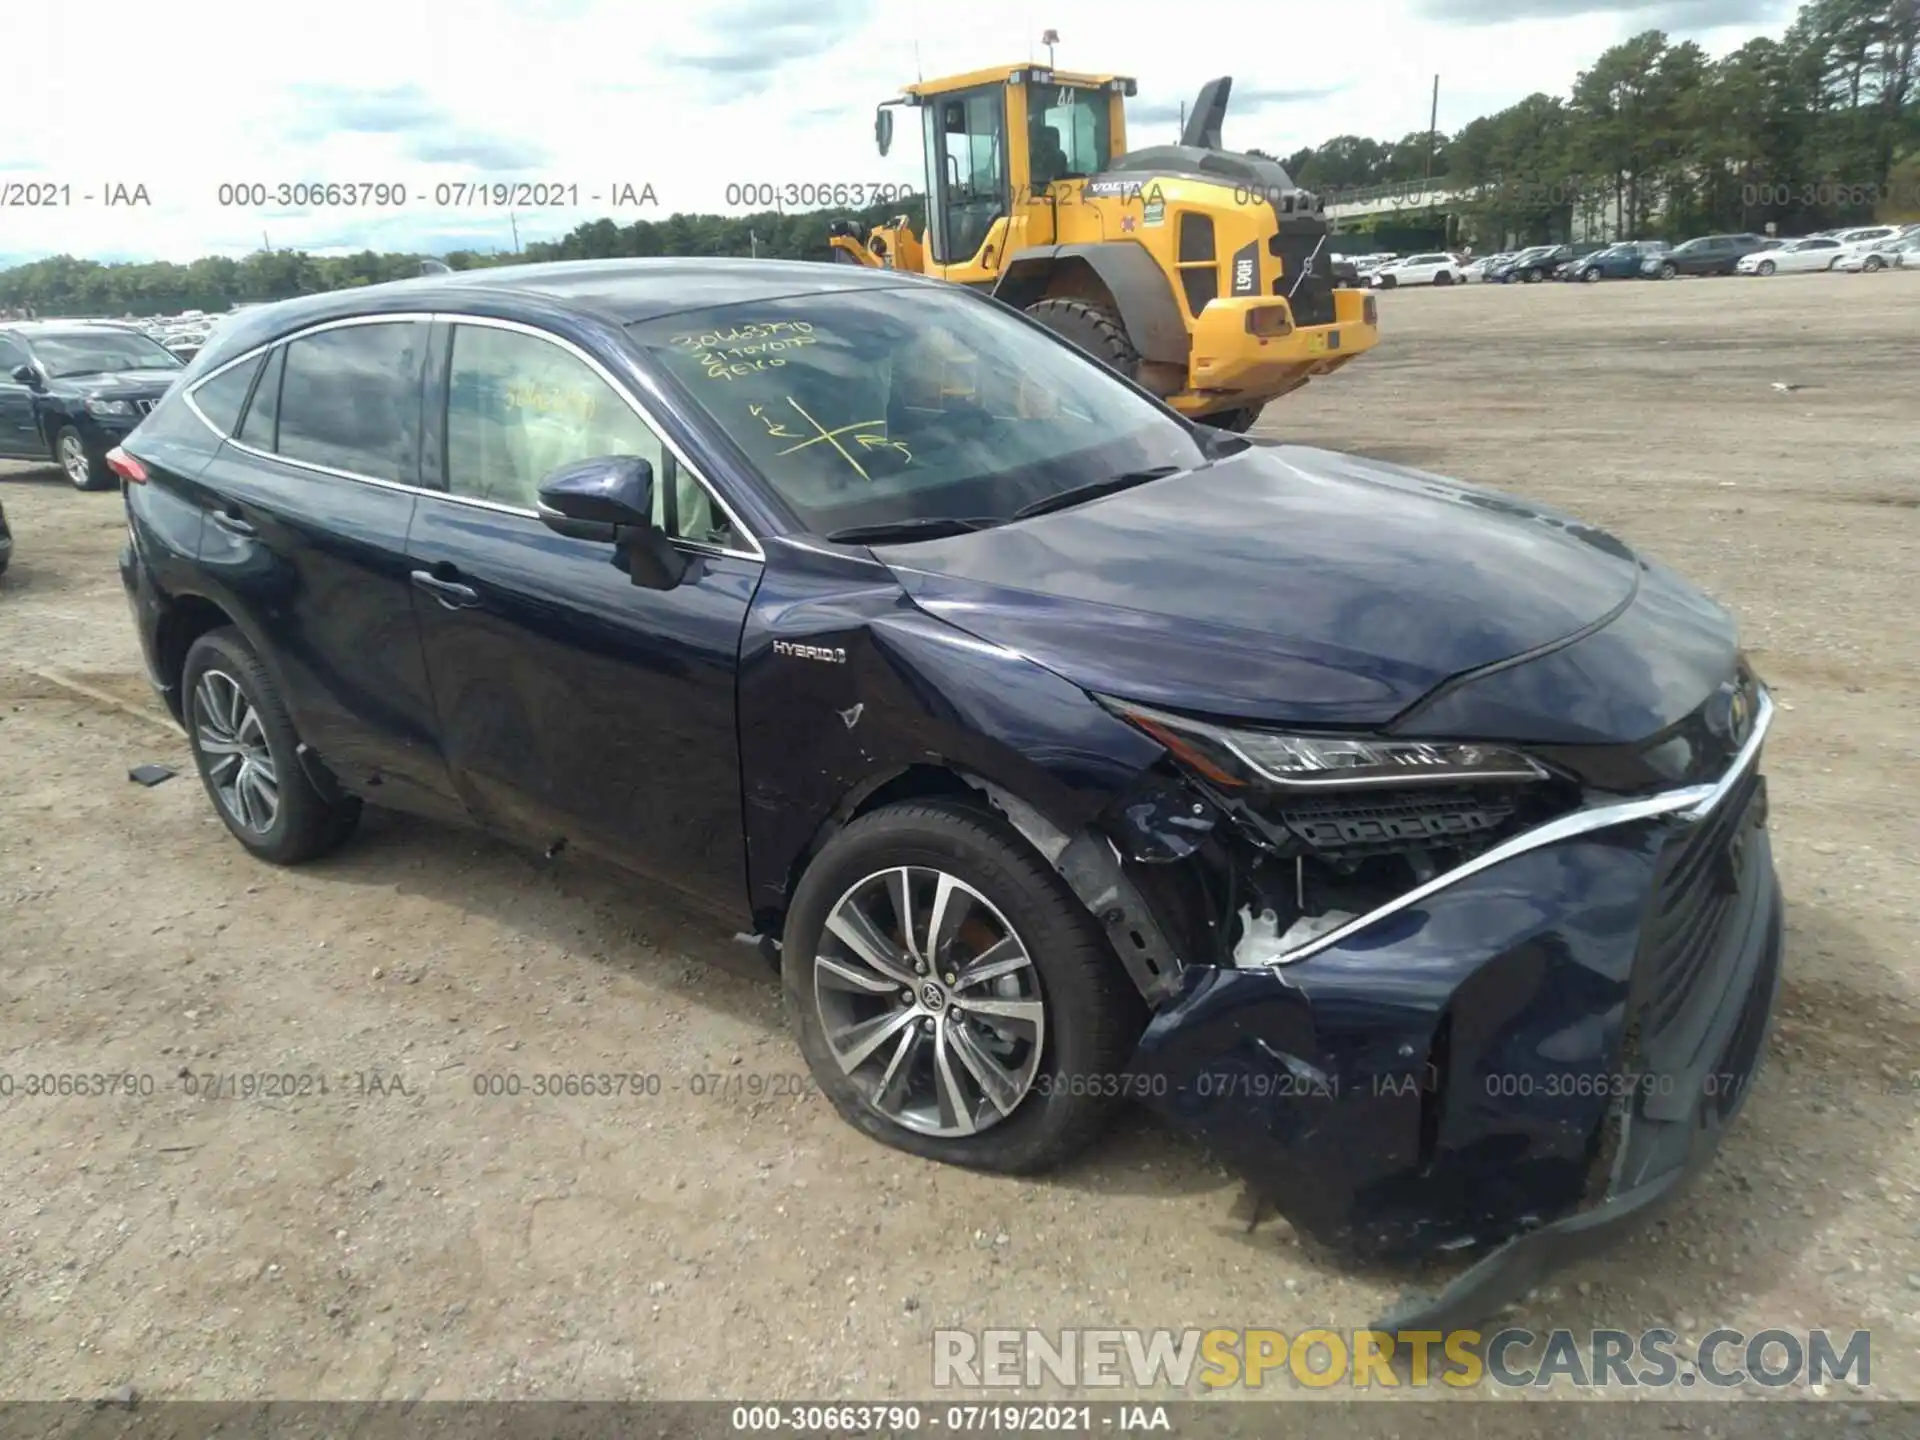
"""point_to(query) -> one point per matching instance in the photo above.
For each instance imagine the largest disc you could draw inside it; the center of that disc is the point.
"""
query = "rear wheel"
(1533, 277)
(1445, 277)
(247, 752)
(1094, 328)
(951, 996)
(86, 471)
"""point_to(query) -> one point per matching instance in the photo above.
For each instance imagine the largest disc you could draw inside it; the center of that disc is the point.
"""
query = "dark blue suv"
(1403, 841)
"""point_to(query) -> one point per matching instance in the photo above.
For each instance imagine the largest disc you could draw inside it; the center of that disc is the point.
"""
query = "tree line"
(1820, 127)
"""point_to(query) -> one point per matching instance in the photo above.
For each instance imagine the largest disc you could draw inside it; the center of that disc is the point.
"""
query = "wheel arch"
(1121, 274)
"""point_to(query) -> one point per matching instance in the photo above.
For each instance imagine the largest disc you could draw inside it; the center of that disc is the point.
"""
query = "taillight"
(125, 466)
(1267, 321)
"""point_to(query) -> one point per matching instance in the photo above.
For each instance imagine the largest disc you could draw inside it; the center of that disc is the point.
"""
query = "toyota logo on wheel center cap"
(932, 996)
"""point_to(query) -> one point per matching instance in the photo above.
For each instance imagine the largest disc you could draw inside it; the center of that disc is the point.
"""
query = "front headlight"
(1238, 758)
(109, 407)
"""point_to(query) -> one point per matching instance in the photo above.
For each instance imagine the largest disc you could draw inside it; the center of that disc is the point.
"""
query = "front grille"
(1306, 275)
(1692, 901)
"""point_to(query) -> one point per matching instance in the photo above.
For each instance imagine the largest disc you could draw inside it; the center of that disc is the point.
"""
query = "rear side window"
(264, 413)
(12, 356)
(350, 400)
(222, 398)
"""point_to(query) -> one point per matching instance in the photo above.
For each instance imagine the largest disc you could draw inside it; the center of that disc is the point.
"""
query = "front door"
(576, 706)
(966, 144)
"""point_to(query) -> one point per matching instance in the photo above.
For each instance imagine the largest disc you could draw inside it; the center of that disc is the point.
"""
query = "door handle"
(232, 523)
(449, 593)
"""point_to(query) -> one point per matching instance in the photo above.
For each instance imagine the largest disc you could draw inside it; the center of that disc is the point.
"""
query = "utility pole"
(1433, 127)
(1050, 38)
(753, 241)
(513, 220)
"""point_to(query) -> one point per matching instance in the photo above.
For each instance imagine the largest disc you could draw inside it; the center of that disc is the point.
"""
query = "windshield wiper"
(920, 527)
(1094, 489)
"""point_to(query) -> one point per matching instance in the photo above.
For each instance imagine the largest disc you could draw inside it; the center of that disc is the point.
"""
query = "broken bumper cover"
(1521, 1064)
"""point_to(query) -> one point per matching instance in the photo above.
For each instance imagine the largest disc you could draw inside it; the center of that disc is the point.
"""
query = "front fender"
(844, 687)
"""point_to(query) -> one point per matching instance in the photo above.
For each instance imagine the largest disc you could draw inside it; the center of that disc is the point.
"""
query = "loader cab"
(995, 142)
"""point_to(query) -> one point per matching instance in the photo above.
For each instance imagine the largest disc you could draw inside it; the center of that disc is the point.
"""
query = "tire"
(304, 823)
(1089, 1015)
(1766, 267)
(1389, 282)
(83, 469)
(1094, 328)
(1533, 277)
(1589, 276)
(1669, 270)
(1445, 277)
(1238, 422)
(1870, 264)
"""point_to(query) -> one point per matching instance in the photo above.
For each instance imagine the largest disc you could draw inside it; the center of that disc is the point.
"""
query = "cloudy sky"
(601, 94)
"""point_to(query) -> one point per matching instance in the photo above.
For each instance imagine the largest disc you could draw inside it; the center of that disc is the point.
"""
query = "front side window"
(520, 407)
(65, 354)
(12, 355)
(876, 406)
(350, 400)
(1069, 132)
(967, 142)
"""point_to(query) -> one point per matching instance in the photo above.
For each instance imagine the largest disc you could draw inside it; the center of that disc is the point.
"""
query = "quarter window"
(263, 414)
(520, 407)
(350, 399)
(222, 398)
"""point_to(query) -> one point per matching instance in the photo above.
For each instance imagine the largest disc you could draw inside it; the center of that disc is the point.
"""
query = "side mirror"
(27, 376)
(610, 498)
(883, 130)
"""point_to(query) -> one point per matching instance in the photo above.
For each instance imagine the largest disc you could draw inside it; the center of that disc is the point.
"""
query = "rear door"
(19, 436)
(575, 705)
(305, 536)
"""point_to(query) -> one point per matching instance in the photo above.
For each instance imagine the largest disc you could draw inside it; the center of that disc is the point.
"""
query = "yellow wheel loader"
(1201, 273)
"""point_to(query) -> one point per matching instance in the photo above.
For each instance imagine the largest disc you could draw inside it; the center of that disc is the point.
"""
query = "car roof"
(27, 329)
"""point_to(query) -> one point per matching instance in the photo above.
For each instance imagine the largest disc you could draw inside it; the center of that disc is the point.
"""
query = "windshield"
(68, 353)
(1068, 132)
(876, 406)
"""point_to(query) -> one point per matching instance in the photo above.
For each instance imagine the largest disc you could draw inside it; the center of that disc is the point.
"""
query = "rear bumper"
(148, 608)
(1522, 1065)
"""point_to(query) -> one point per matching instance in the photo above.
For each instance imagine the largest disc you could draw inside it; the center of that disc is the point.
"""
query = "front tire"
(1870, 264)
(1094, 328)
(1237, 422)
(1669, 270)
(1589, 277)
(247, 752)
(951, 996)
(84, 470)
(1766, 267)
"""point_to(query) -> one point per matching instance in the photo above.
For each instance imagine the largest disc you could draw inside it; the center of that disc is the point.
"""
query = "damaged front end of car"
(1429, 996)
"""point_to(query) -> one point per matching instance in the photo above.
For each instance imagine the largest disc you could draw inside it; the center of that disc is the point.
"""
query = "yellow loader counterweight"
(1201, 273)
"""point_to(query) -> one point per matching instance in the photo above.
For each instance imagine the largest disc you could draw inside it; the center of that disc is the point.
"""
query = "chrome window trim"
(667, 443)
(1690, 804)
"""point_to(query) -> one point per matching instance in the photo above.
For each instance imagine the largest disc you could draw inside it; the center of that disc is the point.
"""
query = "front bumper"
(1521, 1064)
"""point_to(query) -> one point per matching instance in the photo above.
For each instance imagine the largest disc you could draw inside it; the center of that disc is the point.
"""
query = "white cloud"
(599, 94)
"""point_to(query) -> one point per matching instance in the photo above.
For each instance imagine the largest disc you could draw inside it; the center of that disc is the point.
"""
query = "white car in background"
(1434, 268)
(1476, 270)
(1813, 253)
(1900, 253)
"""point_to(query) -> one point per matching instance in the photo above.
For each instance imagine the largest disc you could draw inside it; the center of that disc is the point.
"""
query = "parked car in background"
(71, 390)
(1703, 255)
(1902, 252)
(1346, 275)
(1791, 257)
(1617, 262)
(1431, 268)
(1867, 235)
(1476, 271)
(1568, 257)
(1505, 272)
(6, 541)
(1041, 714)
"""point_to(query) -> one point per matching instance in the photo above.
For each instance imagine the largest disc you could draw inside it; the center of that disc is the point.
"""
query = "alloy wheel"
(929, 1001)
(229, 736)
(73, 460)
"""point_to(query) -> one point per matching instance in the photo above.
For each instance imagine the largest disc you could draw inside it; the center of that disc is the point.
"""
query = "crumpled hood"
(1282, 584)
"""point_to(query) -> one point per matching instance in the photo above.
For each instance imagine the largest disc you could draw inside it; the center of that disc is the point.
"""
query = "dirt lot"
(403, 1236)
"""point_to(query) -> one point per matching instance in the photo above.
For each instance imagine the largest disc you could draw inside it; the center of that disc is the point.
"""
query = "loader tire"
(1094, 328)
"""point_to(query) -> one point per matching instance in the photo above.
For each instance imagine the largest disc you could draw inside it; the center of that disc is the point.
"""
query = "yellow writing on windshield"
(577, 405)
(864, 435)
(741, 350)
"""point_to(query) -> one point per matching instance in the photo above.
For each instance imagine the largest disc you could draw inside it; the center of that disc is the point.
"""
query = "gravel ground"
(403, 1236)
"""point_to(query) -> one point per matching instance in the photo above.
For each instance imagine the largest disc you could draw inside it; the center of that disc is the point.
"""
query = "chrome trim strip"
(756, 552)
(1689, 804)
